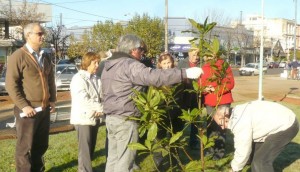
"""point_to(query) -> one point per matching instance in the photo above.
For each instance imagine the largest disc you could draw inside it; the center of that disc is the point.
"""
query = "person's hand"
(29, 111)
(98, 114)
(193, 72)
(52, 107)
(209, 89)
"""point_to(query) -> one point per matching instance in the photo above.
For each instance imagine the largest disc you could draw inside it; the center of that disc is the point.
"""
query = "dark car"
(65, 61)
(273, 65)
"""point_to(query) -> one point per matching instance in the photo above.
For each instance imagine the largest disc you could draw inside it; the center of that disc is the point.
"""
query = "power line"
(80, 11)
(75, 1)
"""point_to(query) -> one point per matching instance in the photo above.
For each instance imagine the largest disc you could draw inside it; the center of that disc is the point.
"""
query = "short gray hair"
(223, 110)
(129, 42)
(29, 28)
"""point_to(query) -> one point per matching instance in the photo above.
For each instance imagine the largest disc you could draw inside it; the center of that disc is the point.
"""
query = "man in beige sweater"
(31, 85)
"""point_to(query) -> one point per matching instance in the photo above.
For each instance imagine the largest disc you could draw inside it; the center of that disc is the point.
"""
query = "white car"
(64, 74)
(282, 64)
(251, 69)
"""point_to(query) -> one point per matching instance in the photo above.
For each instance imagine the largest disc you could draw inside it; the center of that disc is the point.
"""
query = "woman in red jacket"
(217, 83)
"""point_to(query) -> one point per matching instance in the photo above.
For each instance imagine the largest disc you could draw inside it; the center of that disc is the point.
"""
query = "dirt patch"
(273, 89)
(6, 101)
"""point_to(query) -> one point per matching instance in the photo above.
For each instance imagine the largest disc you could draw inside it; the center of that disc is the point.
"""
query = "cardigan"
(27, 83)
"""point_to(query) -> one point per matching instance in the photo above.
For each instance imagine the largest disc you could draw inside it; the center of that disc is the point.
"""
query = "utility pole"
(10, 14)
(60, 20)
(166, 25)
(261, 54)
(295, 29)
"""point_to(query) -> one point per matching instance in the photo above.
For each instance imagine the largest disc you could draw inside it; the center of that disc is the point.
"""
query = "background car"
(273, 65)
(251, 69)
(64, 75)
(2, 82)
(282, 65)
(64, 61)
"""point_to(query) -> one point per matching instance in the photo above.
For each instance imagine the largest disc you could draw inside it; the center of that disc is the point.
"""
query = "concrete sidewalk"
(59, 120)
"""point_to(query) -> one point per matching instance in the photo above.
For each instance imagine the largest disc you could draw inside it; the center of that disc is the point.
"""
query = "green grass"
(62, 153)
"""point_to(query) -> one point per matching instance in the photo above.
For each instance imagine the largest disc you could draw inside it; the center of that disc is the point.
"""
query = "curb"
(11, 133)
(293, 96)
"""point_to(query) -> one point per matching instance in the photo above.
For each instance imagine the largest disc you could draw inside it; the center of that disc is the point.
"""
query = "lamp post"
(295, 29)
(166, 25)
(235, 52)
(260, 97)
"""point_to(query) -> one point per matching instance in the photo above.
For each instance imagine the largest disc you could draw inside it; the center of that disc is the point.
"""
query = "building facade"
(10, 32)
(237, 41)
(276, 31)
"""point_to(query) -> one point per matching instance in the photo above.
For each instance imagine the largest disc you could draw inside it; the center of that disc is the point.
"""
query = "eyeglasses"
(141, 49)
(38, 33)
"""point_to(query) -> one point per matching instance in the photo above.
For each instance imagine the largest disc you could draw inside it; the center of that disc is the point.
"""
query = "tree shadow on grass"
(288, 156)
(100, 167)
(71, 164)
(64, 167)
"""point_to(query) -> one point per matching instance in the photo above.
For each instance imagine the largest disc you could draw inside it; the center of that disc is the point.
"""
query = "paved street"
(274, 71)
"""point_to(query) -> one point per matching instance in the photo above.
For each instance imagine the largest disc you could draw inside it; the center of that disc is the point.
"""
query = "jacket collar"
(117, 55)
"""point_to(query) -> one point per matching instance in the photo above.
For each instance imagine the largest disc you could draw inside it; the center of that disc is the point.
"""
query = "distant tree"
(216, 15)
(105, 35)
(102, 37)
(243, 41)
(151, 30)
(58, 37)
(78, 47)
(22, 15)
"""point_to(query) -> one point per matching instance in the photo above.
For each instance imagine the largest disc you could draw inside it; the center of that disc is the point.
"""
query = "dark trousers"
(32, 140)
(87, 137)
(194, 141)
(173, 121)
(218, 150)
(266, 152)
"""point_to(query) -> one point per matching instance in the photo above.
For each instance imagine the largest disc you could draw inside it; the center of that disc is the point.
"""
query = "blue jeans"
(120, 132)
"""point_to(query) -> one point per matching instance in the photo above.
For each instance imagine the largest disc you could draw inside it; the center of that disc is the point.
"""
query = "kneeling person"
(270, 125)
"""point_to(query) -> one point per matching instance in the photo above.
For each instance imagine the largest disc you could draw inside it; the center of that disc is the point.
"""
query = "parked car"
(273, 65)
(2, 82)
(65, 61)
(251, 69)
(64, 75)
(282, 65)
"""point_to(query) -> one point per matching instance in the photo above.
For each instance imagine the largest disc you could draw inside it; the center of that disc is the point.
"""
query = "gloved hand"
(193, 72)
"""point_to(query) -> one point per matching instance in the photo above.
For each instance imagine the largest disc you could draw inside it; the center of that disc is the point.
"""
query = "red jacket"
(223, 87)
